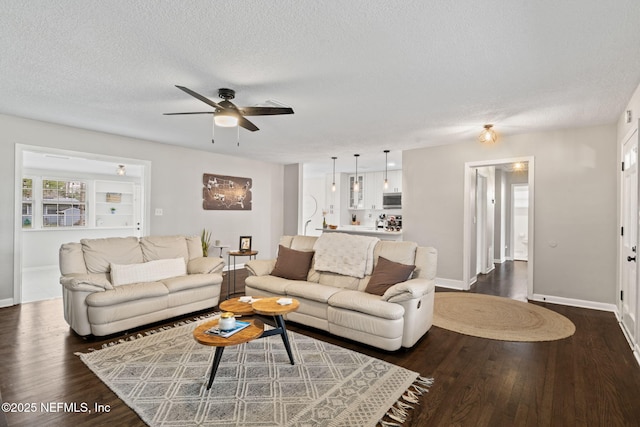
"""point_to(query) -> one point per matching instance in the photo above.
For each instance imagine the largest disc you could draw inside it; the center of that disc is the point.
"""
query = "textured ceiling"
(362, 76)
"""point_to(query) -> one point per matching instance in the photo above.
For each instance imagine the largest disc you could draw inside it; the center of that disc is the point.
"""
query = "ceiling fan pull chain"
(213, 131)
(238, 129)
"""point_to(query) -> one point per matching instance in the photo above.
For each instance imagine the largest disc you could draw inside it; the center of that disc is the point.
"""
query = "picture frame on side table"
(245, 244)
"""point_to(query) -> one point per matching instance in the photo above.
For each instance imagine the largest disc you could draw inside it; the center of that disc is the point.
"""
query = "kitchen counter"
(365, 231)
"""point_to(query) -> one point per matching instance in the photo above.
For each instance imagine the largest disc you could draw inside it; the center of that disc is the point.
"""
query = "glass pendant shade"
(488, 135)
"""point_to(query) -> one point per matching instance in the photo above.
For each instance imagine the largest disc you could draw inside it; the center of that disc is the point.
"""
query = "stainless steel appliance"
(392, 200)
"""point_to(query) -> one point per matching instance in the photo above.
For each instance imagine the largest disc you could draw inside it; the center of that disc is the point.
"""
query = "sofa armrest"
(260, 267)
(86, 282)
(205, 265)
(411, 289)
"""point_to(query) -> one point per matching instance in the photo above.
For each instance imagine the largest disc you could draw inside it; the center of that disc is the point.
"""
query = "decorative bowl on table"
(333, 227)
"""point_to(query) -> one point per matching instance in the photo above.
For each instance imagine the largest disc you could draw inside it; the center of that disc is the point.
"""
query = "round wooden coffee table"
(265, 306)
(270, 307)
(251, 332)
(236, 306)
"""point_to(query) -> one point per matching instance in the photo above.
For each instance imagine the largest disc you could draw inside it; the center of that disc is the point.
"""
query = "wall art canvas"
(222, 192)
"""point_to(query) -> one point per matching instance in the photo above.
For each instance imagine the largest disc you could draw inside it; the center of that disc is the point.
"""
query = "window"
(27, 203)
(64, 203)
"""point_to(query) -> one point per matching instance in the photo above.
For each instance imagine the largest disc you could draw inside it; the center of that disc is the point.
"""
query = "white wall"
(176, 187)
(575, 206)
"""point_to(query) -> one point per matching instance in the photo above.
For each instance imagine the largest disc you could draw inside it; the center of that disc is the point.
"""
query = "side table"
(235, 254)
(221, 247)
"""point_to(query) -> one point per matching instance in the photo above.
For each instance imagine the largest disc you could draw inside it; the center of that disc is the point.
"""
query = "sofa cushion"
(100, 253)
(125, 293)
(71, 259)
(292, 264)
(366, 303)
(386, 274)
(164, 247)
(311, 291)
(194, 246)
(402, 252)
(124, 274)
(272, 284)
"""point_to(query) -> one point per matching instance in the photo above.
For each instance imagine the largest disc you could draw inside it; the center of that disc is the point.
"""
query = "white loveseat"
(338, 303)
(115, 284)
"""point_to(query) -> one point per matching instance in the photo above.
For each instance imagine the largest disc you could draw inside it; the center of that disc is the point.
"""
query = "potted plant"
(205, 237)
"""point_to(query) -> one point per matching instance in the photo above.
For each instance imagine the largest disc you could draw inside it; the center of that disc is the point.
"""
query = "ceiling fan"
(226, 113)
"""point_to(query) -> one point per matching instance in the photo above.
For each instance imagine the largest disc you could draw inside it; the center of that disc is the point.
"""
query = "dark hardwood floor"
(589, 379)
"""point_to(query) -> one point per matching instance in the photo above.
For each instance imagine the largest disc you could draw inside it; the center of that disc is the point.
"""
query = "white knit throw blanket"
(346, 254)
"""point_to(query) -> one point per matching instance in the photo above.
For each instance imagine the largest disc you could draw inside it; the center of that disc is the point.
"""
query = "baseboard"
(6, 302)
(238, 267)
(499, 260)
(450, 283)
(575, 302)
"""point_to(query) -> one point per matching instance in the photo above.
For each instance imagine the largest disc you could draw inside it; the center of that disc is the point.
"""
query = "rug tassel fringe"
(400, 411)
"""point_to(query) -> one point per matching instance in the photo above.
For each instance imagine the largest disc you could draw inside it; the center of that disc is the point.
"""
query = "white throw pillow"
(124, 274)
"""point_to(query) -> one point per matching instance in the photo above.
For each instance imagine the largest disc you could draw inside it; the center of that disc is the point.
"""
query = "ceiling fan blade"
(200, 97)
(200, 112)
(247, 124)
(265, 111)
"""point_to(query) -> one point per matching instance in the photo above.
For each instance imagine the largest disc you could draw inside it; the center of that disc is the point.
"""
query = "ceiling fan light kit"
(227, 114)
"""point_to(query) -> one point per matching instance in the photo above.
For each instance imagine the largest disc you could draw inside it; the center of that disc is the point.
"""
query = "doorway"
(629, 297)
(63, 196)
(507, 172)
(520, 221)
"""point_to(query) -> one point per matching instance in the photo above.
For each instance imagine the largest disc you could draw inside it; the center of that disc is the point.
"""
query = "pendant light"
(386, 162)
(333, 185)
(488, 135)
(356, 186)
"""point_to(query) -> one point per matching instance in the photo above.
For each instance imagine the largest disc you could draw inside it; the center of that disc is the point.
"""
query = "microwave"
(392, 200)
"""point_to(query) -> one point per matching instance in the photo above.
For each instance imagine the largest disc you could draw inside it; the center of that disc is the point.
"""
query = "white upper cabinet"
(374, 187)
(394, 179)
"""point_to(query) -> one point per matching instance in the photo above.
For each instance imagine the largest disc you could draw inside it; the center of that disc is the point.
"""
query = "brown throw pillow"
(386, 274)
(292, 264)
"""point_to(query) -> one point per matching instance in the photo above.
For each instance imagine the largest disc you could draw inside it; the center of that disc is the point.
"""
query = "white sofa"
(338, 303)
(116, 284)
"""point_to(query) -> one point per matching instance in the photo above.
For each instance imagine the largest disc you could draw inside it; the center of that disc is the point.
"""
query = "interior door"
(629, 294)
(520, 221)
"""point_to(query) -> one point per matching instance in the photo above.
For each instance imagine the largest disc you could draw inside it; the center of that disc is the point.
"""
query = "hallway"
(508, 279)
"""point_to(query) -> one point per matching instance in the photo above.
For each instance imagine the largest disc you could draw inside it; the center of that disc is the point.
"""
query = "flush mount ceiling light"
(121, 171)
(386, 163)
(356, 187)
(488, 135)
(333, 185)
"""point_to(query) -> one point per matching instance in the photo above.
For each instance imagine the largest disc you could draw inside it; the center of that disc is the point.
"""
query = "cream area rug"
(498, 318)
(162, 377)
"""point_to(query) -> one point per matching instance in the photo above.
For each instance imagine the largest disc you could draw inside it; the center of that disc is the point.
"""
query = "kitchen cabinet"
(374, 186)
(356, 198)
(394, 181)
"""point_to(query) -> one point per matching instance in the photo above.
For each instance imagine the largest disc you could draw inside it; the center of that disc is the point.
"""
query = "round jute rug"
(498, 318)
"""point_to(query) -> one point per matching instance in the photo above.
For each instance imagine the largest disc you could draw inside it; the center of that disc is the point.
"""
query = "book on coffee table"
(240, 325)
